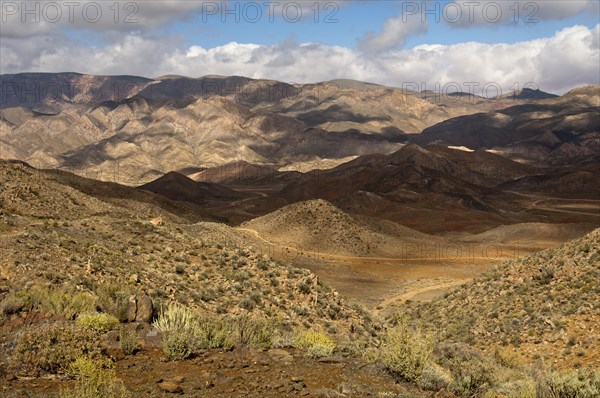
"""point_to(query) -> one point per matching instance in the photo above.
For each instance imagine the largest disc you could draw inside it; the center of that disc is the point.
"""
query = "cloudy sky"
(472, 45)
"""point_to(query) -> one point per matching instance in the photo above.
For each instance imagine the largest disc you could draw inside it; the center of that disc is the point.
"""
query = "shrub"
(406, 352)
(215, 332)
(316, 344)
(61, 301)
(128, 342)
(99, 322)
(51, 348)
(177, 318)
(180, 330)
(434, 378)
(572, 384)
(255, 332)
(11, 305)
(114, 299)
(177, 346)
(525, 388)
(473, 373)
(94, 380)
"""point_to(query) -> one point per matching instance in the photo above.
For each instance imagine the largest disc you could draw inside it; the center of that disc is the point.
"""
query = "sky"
(481, 46)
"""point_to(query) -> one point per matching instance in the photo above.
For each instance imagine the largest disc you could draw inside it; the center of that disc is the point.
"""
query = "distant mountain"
(133, 130)
(176, 186)
(50, 92)
(556, 130)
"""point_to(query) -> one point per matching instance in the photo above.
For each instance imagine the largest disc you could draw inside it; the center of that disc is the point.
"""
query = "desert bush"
(473, 373)
(573, 383)
(11, 305)
(94, 379)
(546, 274)
(316, 344)
(177, 318)
(406, 352)
(206, 331)
(180, 330)
(176, 346)
(254, 331)
(59, 301)
(51, 348)
(98, 322)
(214, 332)
(128, 342)
(524, 388)
(434, 378)
(114, 299)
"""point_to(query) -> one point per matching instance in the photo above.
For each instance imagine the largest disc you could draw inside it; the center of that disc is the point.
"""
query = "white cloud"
(394, 33)
(558, 63)
(493, 12)
(416, 16)
(26, 19)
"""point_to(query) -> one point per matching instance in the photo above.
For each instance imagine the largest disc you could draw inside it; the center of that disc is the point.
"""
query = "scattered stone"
(331, 360)
(140, 308)
(280, 355)
(145, 309)
(170, 387)
(131, 309)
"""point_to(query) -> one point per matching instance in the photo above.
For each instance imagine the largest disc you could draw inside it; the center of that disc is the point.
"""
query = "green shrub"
(208, 331)
(524, 388)
(51, 348)
(406, 352)
(316, 344)
(215, 332)
(94, 379)
(59, 301)
(99, 322)
(434, 378)
(177, 346)
(177, 318)
(473, 373)
(128, 342)
(113, 299)
(253, 331)
(572, 384)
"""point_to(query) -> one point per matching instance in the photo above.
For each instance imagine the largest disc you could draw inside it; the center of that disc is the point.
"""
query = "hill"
(317, 225)
(178, 187)
(555, 130)
(543, 306)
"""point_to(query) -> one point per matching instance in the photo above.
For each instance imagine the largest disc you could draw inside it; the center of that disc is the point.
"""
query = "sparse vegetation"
(94, 379)
(316, 344)
(98, 322)
(50, 349)
(406, 353)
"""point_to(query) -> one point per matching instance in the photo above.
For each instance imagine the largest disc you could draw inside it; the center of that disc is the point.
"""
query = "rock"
(296, 379)
(134, 279)
(170, 387)
(157, 222)
(131, 309)
(11, 377)
(178, 379)
(298, 386)
(280, 355)
(139, 308)
(331, 360)
(145, 309)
